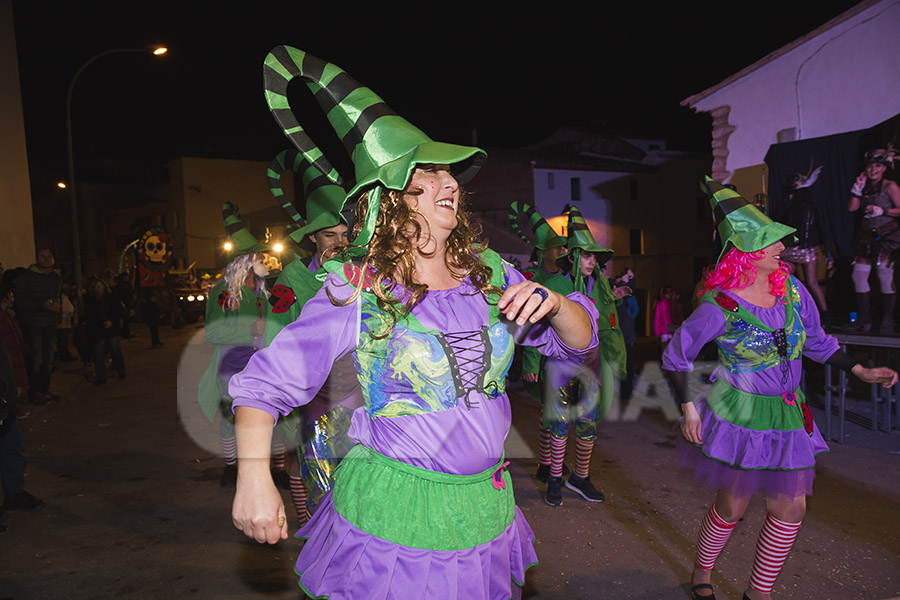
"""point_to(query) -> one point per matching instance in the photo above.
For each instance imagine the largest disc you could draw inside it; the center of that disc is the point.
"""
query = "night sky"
(515, 75)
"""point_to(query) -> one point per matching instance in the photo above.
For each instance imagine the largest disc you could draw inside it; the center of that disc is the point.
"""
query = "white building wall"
(846, 79)
(595, 209)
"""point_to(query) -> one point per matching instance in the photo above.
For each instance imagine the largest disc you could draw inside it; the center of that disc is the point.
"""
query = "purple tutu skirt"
(744, 462)
(341, 562)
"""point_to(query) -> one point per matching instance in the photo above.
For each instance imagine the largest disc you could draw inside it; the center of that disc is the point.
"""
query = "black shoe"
(22, 501)
(584, 488)
(99, 381)
(38, 399)
(281, 479)
(553, 497)
(703, 586)
(229, 476)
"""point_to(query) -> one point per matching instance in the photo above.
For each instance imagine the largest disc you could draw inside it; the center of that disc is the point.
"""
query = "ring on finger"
(541, 292)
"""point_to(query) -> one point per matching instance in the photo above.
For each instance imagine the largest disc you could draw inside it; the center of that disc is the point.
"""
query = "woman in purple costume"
(753, 432)
(422, 507)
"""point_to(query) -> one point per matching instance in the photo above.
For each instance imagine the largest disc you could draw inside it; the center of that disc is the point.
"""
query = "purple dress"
(758, 435)
(412, 414)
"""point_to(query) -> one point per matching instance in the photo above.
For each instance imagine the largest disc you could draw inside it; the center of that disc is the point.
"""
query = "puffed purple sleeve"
(819, 346)
(543, 337)
(289, 372)
(705, 324)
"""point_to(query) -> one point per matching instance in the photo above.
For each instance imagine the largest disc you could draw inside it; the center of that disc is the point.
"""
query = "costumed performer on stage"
(422, 506)
(753, 433)
(879, 238)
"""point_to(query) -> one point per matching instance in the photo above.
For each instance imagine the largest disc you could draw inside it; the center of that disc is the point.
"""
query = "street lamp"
(73, 199)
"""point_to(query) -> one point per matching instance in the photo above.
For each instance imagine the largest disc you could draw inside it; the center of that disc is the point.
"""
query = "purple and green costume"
(229, 331)
(758, 434)
(319, 427)
(422, 506)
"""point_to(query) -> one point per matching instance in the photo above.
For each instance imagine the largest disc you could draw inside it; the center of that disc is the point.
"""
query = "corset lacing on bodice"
(468, 353)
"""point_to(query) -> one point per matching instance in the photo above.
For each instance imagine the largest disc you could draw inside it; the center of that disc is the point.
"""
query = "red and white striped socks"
(772, 548)
(714, 533)
(583, 450)
(545, 444)
(229, 450)
(557, 455)
(299, 494)
(277, 454)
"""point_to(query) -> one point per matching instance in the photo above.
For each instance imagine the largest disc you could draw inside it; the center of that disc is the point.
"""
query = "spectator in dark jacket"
(12, 337)
(627, 311)
(37, 310)
(12, 461)
(103, 316)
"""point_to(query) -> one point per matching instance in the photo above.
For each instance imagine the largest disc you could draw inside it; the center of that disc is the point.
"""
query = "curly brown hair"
(391, 254)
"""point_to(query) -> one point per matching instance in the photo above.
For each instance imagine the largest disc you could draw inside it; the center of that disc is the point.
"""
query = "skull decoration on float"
(154, 258)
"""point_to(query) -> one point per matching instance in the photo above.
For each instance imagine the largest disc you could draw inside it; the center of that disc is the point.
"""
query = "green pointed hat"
(384, 146)
(324, 199)
(544, 236)
(579, 239)
(740, 223)
(242, 241)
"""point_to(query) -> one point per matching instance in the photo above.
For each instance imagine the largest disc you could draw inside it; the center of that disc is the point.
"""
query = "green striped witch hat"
(741, 225)
(242, 241)
(384, 147)
(579, 239)
(324, 199)
(544, 236)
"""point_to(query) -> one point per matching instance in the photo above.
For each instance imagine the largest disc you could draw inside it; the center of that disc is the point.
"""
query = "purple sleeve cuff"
(542, 336)
(290, 371)
(705, 324)
(819, 345)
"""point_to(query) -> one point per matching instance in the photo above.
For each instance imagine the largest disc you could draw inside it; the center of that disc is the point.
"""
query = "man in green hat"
(234, 324)
(320, 427)
(578, 393)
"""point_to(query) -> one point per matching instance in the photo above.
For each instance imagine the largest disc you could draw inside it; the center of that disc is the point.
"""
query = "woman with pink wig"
(753, 432)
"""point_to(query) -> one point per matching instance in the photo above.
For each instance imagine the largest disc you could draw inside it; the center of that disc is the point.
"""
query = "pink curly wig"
(737, 270)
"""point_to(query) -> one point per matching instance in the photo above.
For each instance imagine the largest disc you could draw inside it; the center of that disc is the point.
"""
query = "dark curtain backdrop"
(841, 156)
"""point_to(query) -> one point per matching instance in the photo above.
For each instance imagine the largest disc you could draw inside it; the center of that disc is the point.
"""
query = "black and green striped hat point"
(741, 225)
(242, 241)
(384, 147)
(580, 239)
(579, 234)
(544, 236)
(324, 199)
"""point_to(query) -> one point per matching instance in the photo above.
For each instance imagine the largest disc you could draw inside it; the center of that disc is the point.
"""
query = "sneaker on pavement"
(543, 473)
(38, 399)
(22, 501)
(553, 497)
(584, 488)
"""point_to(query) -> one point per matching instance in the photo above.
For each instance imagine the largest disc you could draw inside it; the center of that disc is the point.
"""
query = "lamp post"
(73, 197)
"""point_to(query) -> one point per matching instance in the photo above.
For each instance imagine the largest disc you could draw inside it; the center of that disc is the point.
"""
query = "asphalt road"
(134, 509)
